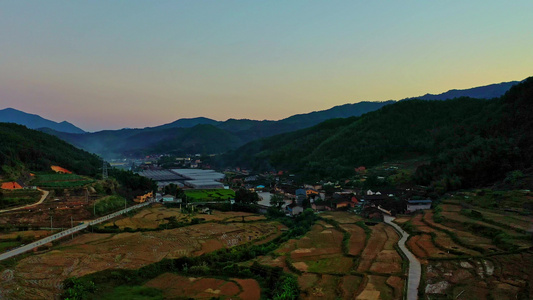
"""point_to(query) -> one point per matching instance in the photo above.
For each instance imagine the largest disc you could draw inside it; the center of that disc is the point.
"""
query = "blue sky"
(114, 64)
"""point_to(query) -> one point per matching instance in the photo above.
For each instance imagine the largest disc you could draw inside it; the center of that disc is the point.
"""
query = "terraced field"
(495, 277)
(157, 214)
(175, 286)
(40, 276)
(365, 270)
(463, 257)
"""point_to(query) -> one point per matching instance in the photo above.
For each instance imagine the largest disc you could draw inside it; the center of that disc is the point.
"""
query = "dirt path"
(414, 265)
(43, 197)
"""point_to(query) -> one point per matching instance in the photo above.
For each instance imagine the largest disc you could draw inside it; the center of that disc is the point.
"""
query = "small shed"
(168, 198)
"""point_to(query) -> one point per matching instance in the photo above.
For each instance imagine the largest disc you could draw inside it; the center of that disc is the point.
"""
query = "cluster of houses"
(386, 200)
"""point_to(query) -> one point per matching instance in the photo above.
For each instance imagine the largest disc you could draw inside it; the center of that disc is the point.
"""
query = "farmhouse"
(143, 198)
(414, 205)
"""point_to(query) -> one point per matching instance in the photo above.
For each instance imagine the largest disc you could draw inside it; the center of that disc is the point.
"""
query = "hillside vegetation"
(472, 142)
(23, 149)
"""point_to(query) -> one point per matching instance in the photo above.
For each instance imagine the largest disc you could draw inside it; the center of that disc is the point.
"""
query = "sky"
(116, 64)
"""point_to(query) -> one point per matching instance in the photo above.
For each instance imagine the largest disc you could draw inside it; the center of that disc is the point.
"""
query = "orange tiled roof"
(11, 186)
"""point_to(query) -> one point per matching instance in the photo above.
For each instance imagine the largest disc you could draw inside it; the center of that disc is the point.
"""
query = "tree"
(277, 201)
(244, 196)
(171, 189)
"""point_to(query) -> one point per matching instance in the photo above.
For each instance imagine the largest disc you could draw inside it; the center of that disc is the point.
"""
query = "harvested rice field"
(40, 276)
(176, 286)
(357, 238)
(494, 277)
(342, 217)
(326, 271)
(152, 217)
(379, 254)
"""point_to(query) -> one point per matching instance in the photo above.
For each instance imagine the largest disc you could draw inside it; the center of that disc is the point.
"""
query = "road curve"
(63, 233)
(413, 281)
(43, 197)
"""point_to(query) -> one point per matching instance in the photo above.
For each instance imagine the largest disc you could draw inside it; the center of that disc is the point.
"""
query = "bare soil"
(357, 238)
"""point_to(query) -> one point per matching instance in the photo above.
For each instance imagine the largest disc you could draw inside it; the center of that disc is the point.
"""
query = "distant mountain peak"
(188, 123)
(33, 121)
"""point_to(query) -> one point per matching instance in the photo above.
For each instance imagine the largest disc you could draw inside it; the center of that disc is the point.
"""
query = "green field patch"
(338, 265)
(209, 195)
(13, 198)
(61, 180)
(4, 246)
(134, 293)
(108, 204)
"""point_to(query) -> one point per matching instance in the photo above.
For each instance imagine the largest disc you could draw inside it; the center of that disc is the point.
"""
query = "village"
(366, 193)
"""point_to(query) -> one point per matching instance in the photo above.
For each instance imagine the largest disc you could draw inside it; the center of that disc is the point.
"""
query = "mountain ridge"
(237, 131)
(33, 121)
(471, 142)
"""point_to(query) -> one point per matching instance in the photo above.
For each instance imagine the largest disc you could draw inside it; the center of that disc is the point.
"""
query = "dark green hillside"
(499, 141)
(472, 142)
(23, 149)
(285, 150)
(336, 147)
(201, 138)
(198, 139)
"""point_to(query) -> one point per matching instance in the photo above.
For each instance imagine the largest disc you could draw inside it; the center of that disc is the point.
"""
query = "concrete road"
(413, 281)
(64, 233)
(43, 197)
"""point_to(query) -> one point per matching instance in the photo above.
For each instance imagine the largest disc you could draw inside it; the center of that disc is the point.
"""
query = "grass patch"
(209, 195)
(61, 180)
(107, 205)
(4, 246)
(333, 265)
(15, 198)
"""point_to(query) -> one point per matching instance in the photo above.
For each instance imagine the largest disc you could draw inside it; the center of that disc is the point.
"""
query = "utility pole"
(51, 227)
(104, 170)
(71, 226)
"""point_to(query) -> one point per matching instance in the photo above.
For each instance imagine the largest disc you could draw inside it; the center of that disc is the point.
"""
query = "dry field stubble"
(505, 276)
(424, 246)
(357, 238)
(508, 218)
(467, 237)
(379, 250)
(174, 286)
(452, 212)
(40, 276)
(319, 256)
(342, 217)
(155, 215)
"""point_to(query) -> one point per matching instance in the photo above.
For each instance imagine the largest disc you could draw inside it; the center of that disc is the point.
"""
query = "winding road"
(43, 197)
(415, 269)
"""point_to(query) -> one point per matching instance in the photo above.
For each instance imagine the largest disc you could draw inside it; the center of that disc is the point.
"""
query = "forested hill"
(23, 149)
(202, 138)
(472, 141)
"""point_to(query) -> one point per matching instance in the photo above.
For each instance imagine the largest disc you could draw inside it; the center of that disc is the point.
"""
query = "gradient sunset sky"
(114, 64)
